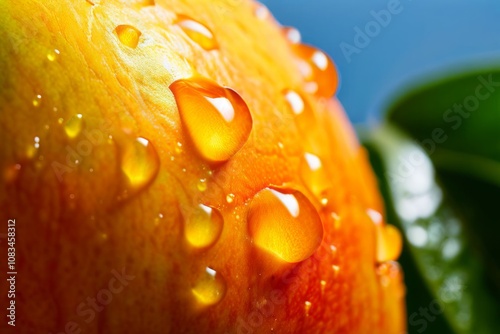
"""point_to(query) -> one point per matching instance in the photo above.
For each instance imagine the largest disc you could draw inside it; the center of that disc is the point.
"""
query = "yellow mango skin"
(81, 225)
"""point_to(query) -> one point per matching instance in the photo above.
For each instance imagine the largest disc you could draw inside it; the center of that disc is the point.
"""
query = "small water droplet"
(37, 101)
(139, 163)
(336, 270)
(74, 126)
(261, 12)
(178, 148)
(389, 243)
(277, 220)
(314, 175)
(202, 185)
(60, 120)
(210, 287)
(307, 307)
(128, 35)
(216, 118)
(203, 226)
(33, 148)
(52, 55)
(295, 101)
(197, 32)
(292, 34)
(317, 67)
(322, 283)
(230, 198)
(387, 272)
(333, 249)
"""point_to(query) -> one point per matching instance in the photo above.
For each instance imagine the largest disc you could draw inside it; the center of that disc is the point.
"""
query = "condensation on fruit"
(336, 270)
(277, 219)
(388, 238)
(318, 70)
(203, 226)
(388, 272)
(216, 118)
(197, 32)
(210, 287)
(307, 307)
(261, 12)
(291, 34)
(53, 55)
(139, 163)
(295, 101)
(128, 35)
(74, 126)
(33, 148)
(314, 175)
(37, 101)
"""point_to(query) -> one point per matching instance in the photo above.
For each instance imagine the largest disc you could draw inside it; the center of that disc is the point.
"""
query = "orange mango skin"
(72, 234)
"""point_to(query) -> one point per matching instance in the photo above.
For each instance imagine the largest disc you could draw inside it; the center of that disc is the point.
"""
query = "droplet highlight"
(216, 118)
(203, 226)
(210, 287)
(388, 238)
(139, 163)
(316, 67)
(74, 126)
(314, 176)
(128, 35)
(37, 101)
(307, 307)
(292, 35)
(197, 32)
(277, 219)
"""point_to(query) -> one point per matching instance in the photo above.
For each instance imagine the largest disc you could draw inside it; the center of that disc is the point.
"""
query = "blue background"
(426, 40)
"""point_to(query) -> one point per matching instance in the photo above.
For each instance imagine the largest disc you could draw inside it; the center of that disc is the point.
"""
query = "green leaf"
(437, 249)
(457, 121)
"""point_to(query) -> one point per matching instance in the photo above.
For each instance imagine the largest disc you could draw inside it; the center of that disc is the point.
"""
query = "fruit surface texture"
(184, 167)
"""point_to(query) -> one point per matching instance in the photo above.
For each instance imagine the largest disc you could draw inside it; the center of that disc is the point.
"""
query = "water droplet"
(307, 307)
(203, 226)
(210, 287)
(73, 126)
(230, 198)
(261, 12)
(336, 270)
(139, 163)
(60, 120)
(52, 55)
(322, 283)
(295, 101)
(216, 118)
(198, 32)
(314, 175)
(277, 220)
(389, 243)
(388, 272)
(33, 149)
(178, 148)
(333, 249)
(292, 34)
(128, 35)
(202, 185)
(37, 101)
(317, 67)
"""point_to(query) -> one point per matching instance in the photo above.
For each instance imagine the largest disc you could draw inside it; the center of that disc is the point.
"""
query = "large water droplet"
(317, 68)
(285, 223)
(73, 126)
(128, 35)
(204, 226)
(216, 118)
(198, 32)
(210, 287)
(139, 163)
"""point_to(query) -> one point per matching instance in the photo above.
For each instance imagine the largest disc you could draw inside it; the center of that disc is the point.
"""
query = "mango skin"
(76, 241)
